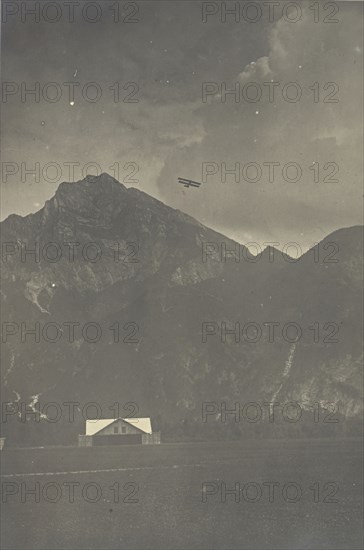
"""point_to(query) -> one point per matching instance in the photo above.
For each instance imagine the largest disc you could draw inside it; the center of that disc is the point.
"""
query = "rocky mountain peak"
(93, 185)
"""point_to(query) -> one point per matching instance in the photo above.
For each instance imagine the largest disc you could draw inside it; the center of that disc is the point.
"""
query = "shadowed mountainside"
(151, 281)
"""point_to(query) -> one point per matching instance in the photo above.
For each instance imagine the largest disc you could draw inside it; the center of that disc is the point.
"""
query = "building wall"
(109, 430)
(85, 440)
(117, 439)
(151, 439)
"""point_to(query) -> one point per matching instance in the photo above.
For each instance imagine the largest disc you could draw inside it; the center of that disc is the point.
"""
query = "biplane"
(188, 183)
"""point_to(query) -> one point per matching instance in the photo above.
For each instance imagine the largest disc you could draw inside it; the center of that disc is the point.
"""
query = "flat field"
(261, 494)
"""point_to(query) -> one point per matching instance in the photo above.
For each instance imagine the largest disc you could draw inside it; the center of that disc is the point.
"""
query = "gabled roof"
(143, 424)
(95, 426)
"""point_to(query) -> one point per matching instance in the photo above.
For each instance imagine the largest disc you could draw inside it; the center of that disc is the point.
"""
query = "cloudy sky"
(171, 130)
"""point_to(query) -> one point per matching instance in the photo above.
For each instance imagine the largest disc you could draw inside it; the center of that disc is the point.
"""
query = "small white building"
(118, 431)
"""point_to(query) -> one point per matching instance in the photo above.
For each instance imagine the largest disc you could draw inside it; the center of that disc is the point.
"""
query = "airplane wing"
(189, 183)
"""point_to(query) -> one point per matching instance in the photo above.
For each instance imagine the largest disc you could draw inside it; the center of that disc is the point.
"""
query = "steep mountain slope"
(150, 282)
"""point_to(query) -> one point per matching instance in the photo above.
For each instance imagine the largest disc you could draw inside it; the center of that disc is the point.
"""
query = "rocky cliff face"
(134, 266)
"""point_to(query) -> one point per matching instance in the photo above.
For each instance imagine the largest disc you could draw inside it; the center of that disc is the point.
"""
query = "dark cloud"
(170, 132)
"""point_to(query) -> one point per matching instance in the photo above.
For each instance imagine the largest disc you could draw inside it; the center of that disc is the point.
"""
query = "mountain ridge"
(106, 178)
(169, 293)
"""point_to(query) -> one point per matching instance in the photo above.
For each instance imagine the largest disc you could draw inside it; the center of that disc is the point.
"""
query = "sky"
(292, 130)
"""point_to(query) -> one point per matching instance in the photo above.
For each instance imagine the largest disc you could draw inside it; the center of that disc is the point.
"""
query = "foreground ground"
(153, 498)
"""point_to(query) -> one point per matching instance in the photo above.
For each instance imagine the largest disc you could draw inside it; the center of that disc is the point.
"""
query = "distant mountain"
(151, 277)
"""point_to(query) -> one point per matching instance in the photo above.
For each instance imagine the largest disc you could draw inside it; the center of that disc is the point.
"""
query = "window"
(123, 429)
(116, 429)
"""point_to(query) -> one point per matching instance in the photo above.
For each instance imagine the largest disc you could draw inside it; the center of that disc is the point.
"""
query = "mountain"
(136, 267)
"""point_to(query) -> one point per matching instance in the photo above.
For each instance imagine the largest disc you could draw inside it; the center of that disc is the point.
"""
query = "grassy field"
(169, 512)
